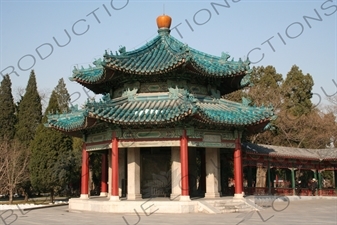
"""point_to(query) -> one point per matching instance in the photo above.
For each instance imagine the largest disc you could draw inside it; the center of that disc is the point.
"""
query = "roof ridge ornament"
(98, 62)
(247, 61)
(106, 98)
(191, 97)
(164, 21)
(122, 49)
(164, 24)
(173, 92)
(130, 93)
(225, 56)
(130, 90)
(246, 101)
(74, 108)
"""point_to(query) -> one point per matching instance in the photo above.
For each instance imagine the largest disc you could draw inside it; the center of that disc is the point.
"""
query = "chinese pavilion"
(162, 108)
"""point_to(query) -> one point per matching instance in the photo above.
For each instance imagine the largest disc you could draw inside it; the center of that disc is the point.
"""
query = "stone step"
(265, 201)
(240, 205)
(237, 210)
(230, 206)
(220, 204)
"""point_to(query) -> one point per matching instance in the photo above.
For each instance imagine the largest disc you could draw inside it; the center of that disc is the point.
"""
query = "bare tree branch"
(14, 160)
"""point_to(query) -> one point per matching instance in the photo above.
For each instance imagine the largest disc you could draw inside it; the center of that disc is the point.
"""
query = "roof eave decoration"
(139, 109)
(92, 75)
(214, 66)
(158, 56)
(230, 113)
(68, 122)
(134, 108)
(161, 55)
(245, 81)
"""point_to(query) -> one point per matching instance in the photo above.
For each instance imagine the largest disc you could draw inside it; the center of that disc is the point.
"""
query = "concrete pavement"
(315, 211)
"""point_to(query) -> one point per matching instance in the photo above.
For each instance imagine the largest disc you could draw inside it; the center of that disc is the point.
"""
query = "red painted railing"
(328, 192)
(287, 191)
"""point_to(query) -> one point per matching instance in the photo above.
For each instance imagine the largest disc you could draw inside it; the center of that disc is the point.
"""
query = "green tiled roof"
(161, 55)
(89, 75)
(291, 152)
(232, 113)
(145, 110)
(160, 60)
(162, 109)
(165, 53)
(68, 121)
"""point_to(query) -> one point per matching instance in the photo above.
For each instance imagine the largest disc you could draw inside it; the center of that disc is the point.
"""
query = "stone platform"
(161, 205)
(218, 205)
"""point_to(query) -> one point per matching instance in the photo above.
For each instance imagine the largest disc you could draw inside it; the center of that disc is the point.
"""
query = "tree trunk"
(27, 192)
(26, 196)
(52, 196)
(10, 198)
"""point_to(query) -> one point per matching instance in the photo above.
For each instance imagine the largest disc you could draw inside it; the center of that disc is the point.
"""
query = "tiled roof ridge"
(68, 121)
(229, 112)
(165, 108)
(318, 154)
(180, 52)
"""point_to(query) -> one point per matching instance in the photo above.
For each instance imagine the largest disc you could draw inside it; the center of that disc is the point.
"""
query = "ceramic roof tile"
(141, 112)
(68, 122)
(161, 55)
(91, 74)
(280, 151)
(144, 109)
(228, 112)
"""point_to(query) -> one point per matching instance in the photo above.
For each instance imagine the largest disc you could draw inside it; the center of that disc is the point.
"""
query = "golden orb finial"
(164, 21)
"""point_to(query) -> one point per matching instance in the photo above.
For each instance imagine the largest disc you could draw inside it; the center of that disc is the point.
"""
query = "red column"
(184, 164)
(238, 167)
(104, 180)
(114, 162)
(85, 170)
(242, 176)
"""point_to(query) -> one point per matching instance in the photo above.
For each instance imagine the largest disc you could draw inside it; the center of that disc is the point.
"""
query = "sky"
(51, 37)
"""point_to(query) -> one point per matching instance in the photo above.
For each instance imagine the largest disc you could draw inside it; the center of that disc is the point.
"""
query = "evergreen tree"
(70, 166)
(51, 155)
(265, 90)
(297, 89)
(266, 77)
(75, 166)
(29, 113)
(7, 109)
(298, 124)
(265, 86)
(63, 97)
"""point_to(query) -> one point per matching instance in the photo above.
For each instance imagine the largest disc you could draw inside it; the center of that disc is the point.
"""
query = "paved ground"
(319, 211)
